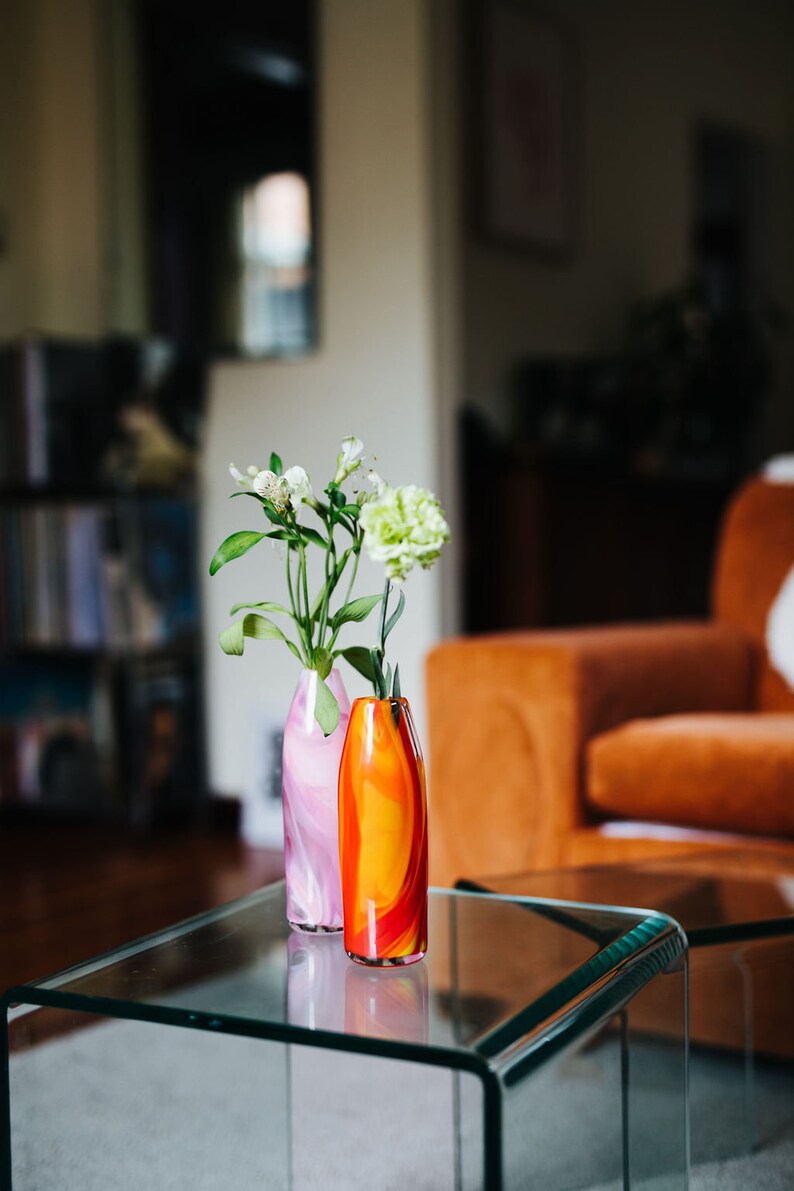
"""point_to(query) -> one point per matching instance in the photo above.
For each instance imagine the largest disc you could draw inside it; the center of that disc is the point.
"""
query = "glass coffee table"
(231, 1051)
(737, 910)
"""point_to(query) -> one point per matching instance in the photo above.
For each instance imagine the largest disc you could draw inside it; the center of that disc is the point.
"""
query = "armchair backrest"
(754, 555)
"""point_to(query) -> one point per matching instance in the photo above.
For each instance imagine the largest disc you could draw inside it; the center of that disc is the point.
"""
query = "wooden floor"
(69, 894)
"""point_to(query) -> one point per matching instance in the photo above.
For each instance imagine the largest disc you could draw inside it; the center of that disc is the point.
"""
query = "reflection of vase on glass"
(326, 992)
(310, 772)
(316, 969)
(387, 1003)
(383, 835)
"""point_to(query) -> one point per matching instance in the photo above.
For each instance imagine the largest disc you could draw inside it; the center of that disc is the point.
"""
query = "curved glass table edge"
(576, 1005)
(741, 931)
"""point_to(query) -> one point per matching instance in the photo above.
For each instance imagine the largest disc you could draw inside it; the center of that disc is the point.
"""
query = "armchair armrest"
(509, 717)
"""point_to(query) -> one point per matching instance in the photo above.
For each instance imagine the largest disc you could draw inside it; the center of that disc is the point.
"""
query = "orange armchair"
(578, 746)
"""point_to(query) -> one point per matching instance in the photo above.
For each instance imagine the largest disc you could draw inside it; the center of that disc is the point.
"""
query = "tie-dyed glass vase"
(310, 778)
(383, 835)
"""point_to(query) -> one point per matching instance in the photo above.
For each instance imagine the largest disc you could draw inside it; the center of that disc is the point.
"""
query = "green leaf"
(358, 657)
(337, 498)
(232, 639)
(395, 616)
(357, 610)
(351, 511)
(384, 608)
(247, 492)
(233, 547)
(311, 535)
(323, 662)
(275, 463)
(326, 709)
(272, 514)
(263, 605)
(395, 694)
(281, 535)
(259, 628)
(378, 681)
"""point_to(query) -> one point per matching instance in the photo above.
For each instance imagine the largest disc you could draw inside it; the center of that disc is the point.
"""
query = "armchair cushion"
(728, 772)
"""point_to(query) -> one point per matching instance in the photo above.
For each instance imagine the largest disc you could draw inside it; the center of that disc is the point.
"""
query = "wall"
(649, 71)
(50, 168)
(373, 375)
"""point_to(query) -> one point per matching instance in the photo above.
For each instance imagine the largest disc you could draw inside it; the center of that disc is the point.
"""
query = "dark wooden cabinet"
(566, 543)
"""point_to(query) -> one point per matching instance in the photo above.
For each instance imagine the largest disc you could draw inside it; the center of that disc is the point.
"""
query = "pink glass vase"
(310, 778)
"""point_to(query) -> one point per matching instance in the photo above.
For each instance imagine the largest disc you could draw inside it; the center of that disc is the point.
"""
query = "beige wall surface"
(649, 72)
(50, 168)
(373, 374)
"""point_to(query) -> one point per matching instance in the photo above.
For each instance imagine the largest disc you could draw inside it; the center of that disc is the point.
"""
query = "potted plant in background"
(382, 797)
(317, 719)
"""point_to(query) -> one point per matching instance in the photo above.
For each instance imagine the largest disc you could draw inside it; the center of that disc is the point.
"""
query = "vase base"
(396, 961)
(313, 928)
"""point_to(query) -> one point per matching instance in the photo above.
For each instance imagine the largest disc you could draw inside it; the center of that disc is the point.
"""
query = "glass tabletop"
(740, 893)
(498, 972)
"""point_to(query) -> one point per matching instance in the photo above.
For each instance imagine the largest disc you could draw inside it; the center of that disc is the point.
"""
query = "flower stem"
(296, 612)
(382, 623)
(330, 556)
(355, 572)
(307, 605)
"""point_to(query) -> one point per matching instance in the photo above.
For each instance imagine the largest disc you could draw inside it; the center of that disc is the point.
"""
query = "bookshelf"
(100, 671)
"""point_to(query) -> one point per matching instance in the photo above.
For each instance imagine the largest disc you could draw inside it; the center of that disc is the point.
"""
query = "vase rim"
(403, 701)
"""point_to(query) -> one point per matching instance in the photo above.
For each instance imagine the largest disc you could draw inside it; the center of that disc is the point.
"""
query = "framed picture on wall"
(526, 77)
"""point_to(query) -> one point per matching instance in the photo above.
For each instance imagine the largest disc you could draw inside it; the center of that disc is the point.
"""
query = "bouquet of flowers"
(400, 527)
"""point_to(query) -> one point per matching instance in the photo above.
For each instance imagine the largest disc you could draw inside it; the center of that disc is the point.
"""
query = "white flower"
(376, 481)
(300, 486)
(273, 488)
(238, 477)
(403, 527)
(348, 458)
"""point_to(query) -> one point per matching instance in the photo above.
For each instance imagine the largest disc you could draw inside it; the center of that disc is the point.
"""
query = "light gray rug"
(126, 1105)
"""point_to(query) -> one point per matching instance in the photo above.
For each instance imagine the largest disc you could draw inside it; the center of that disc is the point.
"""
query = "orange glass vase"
(383, 835)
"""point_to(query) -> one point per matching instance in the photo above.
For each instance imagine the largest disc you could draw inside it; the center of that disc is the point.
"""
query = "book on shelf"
(96, 576)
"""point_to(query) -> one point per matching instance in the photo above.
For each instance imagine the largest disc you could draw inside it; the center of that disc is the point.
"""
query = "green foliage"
(378, 679)
(234, 546)
(262, 606)
(326, 710)
(356, 611)
(272, 513)
(382, 678)
(359, 658)
(395, 616)
(311, 535)
(259, 628)
(316, 625)
(323, 662)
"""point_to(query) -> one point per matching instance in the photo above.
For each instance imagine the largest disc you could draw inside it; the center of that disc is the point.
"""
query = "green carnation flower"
(403, 527)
